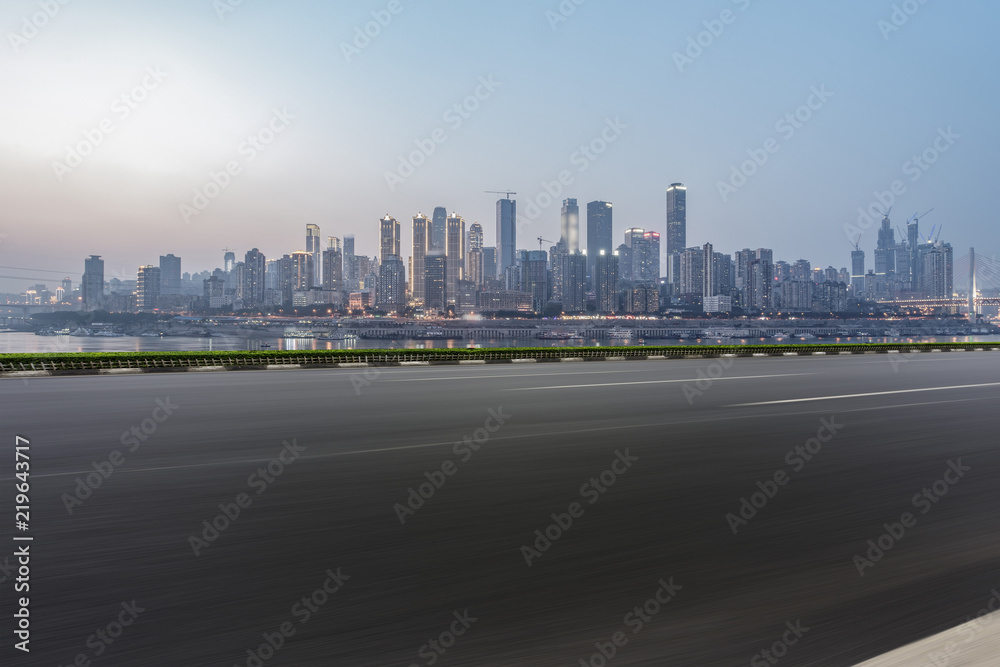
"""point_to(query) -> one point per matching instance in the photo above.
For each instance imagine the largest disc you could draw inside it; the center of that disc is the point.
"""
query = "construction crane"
(541, 240)
(857, 243)
(916, 219)
(506, 193)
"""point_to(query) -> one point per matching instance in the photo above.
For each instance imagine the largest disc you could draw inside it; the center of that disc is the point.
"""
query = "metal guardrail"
(69, 362)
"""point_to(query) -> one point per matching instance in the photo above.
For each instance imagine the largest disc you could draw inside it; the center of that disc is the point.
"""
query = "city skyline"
(795, 159)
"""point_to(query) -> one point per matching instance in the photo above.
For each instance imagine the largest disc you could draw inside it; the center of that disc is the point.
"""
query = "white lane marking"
(655, 425)
(872, 393)
(618, 384)
(541, 373)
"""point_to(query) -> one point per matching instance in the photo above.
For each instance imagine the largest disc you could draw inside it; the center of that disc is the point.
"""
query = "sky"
(133, 129)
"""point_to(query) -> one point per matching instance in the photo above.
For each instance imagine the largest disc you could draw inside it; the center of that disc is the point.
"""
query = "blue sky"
(199, 79)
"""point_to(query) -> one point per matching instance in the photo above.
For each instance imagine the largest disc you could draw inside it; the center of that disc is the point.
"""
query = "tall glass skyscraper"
(676, 218)
(314, 247)
(438, 231)
(506, 235)
(599, 232)
(569, 225)
(92, 287)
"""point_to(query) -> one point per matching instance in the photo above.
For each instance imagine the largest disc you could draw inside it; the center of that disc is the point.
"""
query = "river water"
(20, 341)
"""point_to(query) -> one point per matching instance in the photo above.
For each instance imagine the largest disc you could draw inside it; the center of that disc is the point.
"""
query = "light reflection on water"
(19, 342)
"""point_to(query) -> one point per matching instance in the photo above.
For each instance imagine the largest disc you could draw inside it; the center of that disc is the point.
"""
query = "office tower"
(475, 236)
(625, 271)
(350, 264)
(606, 282)
(314, 247)
(506, 235)
(422, 237)
(884, 250)
(475, 269)
(170, 274)
(228, 261)
(569, 225)
(534, 278)
(858, 272)
(435, 281)
(708, 271)
(455, 251)
(676, 218)
(391, 293)
(333, 266)
(92, 287)
(650, 271)
(599, 232)
(490, 263)
(574, 282)
(389, 242)
(438, 231)
(254, 265)
(302, 270)
(147, 287)
(67, 288)
(631, 261)
(692, 270)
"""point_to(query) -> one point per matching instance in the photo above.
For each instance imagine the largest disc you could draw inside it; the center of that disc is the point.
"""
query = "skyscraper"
(422, 232)
(314, 247)
(389, 242)
(254, 264)
(574, 282)
(534, 278)
(475, 236)
(708, 271)
(885, 256)
(391, 293)
(92, 287)
(506, 235)
(350, 264)
(435, 281)
(489, 263)
(676, 218)
(170, 274)
(858, 272)
(228, 261)
(455, 251)
(599, 232)
(437, 230)
(606, 282)
(569, 225)
(333, 266)
(147, 287)
(650, 271)
(302, 270)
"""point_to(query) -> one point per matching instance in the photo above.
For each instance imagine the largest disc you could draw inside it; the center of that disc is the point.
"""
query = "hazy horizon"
(199, 76)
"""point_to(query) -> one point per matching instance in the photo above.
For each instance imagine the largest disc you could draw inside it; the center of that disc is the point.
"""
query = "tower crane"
(541, 240)
(506, 193)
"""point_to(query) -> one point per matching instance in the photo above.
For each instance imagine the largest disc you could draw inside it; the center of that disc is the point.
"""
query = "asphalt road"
(643, 466)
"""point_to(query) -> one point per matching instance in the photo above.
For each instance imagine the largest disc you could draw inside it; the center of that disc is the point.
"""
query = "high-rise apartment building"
(333, 266)
(422, 238)
(389, 240)
(435, 281)
(254, 267)
(314, 247)
(455, 251)
(147, 287)
(170, 274)
(303, 271)
(606, 283)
